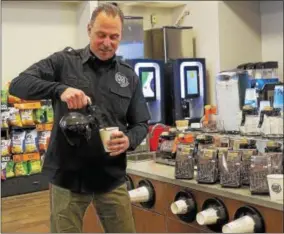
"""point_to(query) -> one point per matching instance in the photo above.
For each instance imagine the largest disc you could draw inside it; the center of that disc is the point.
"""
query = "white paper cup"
(105, 134)
(179, 207)
(140, 194)
(207, 217)
(244, 224)
(275, 183)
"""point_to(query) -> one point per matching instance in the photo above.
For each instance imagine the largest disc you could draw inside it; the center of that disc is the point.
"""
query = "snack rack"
(25, 133)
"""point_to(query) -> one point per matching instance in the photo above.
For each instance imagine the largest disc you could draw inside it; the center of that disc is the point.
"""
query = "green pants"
(113, 209)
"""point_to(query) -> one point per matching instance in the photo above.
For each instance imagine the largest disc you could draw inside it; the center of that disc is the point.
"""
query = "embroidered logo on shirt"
(121, 80)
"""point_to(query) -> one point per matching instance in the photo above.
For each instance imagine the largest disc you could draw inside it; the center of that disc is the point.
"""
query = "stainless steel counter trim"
(145, 169)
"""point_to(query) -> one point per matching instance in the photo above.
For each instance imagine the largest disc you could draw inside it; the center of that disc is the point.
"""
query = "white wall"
(84, 13)
(239, 33)
(34, 30)
(272, 32)
(204, 20)
(163, 15)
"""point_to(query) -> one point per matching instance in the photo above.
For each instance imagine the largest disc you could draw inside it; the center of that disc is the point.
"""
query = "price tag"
(28, 105)
(44, 127)
(18, 158)
(30, 157)
(6, 159)
(26, 157)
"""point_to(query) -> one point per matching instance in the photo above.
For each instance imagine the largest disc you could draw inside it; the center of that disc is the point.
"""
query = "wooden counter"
(159, 218)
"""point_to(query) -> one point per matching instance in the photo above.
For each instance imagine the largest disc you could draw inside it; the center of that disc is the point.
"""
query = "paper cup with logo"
(105, 134)
(244, 224)
(179, 207)
(140, 194)
(275, 183)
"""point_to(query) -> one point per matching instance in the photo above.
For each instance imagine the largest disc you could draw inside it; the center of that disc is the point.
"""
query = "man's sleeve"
(137, 116)
(39, 81)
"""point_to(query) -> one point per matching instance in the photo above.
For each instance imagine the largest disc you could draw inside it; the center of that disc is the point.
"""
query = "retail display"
(231, 161)
(25, 134)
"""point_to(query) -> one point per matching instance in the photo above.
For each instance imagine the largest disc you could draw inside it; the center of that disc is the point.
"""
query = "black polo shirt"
(114, 87)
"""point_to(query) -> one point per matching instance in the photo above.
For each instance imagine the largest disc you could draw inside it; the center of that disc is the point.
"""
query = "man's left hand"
(118, 144)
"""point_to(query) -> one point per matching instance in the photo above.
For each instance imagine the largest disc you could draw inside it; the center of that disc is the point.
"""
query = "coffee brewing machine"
(232, 93)
(186, 90)
(263, 78)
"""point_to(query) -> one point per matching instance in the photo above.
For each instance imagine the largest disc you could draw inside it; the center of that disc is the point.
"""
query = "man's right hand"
(75, 98)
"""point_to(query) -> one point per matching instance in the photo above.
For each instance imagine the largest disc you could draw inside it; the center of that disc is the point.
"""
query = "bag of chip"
(18, 142)
(49, 113)
(4, 99)
(31, 141)
(5, 147)
(34, 167)
(5, 115)
(12, 99)
(27, 117)
(21, 169)
(44, 140)
(39, 115)
(10, 169)
(15, 117)
(3, 170)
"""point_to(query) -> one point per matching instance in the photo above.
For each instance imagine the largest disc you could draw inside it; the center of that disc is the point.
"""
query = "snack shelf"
(24, 184)
(25, 133)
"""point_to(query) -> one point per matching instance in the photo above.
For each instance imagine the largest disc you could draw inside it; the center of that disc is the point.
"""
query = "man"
(87, 173)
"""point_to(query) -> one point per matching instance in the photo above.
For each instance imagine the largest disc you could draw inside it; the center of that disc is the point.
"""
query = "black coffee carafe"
(77, 126)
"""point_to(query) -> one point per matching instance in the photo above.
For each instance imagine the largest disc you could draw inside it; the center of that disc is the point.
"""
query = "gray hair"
(110, 9)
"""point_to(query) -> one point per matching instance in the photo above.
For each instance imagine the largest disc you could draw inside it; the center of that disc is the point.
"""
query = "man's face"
(105, 35)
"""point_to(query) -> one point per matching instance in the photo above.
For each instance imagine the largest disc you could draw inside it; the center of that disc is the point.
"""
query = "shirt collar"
(86, 55)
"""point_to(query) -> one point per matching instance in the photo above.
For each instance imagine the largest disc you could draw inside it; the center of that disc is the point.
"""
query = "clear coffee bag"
(230, 168)
(184, 165)
(258, 175)
(207, 166)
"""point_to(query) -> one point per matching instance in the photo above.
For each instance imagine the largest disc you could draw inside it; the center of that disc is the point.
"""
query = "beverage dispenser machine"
(151, 76)
(185, 89)
(232, 93)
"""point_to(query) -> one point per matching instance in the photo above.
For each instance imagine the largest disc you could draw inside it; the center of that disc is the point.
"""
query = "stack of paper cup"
(140, 194)
(179, 207)
(244, 224)
(207, 217)
(275, 183)
(105, 134)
